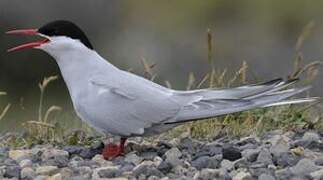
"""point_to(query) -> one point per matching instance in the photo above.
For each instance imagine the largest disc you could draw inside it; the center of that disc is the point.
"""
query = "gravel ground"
(276, 155)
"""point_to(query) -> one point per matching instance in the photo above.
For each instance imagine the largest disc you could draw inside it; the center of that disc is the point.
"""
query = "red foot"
(112, 151)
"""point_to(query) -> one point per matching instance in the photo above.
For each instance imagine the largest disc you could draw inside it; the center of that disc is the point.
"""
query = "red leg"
(111, 151)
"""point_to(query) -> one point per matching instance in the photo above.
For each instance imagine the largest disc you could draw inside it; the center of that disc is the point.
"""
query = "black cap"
(65, 28)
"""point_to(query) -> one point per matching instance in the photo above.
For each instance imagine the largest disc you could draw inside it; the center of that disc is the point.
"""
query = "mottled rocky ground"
(276, 155)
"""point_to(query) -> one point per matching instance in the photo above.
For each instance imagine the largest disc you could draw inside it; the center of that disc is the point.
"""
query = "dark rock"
(207, 150)
(109, 173)
(206, 162)
(165, 167)
(248, 146)
(59, 161)
(163, 147)
(241, 163)
(147, 171)
(286, 159)
(231, 153)
(148, 155)
(12, 172)
(247, 141)
(86, 153)
(250, 154)
(74, 149)
(88, 163)
(127, 167)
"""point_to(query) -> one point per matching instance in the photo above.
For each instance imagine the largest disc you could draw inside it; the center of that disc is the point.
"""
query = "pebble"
(12, 172)
(133, 158)
(266, 177)
(303, 167)
(250, 154)
(317, 174)
(47, 170)
(242, 176)
(231, 153)
(265, 157)
(25, 163)
(292, 155)
(206, 162)
(19, 155)
(173, 156)
(28, 173)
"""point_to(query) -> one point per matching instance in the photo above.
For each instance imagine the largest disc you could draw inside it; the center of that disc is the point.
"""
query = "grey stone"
(25, 163)
(319, 161)
(148, 155)
(3, 152)
(207, 150)
(55, 157)
(286, 159)
(209, 174)
(110, 172)
(79, 177)
(317, 175)
(226, 164)
(265, 157)
(250, 154)
(206, 162)
(280, 147)
(179, 170)
(241, 163)
(311, 136)
(284, 173)
(133, 158)
(19, 155)
(164, 167)
(266, 177)
(303, 167)
(66, 173)
(47, 170)
(2, 171)
(242, 176)
(172, 156)
(146, 171)
(28, 173)
(256, 172)
(86, 171)
(12, 172)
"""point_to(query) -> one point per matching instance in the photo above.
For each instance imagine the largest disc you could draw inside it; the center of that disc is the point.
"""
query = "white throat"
(76, 62)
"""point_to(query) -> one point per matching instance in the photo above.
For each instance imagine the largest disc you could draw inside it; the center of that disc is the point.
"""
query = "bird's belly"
(100, 117)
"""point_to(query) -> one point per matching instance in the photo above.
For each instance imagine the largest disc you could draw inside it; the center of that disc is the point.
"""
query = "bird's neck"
(77, 66)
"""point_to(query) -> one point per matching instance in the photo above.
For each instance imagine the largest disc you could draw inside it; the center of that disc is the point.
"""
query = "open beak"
(27, 32)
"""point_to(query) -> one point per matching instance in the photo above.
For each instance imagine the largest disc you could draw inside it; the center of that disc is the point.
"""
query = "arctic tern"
(123, 104)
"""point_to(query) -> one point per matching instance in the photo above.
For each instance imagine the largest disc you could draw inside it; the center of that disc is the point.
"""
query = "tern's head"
(57, 36)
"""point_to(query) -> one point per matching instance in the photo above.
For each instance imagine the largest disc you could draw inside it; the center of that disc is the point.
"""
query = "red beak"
(28, 32)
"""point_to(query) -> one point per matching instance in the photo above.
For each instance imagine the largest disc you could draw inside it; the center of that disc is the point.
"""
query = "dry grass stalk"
(307, 30)
(148, 69)
(42, 86)
(4, 111)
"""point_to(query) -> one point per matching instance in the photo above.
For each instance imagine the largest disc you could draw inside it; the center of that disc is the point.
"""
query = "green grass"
(48, 130)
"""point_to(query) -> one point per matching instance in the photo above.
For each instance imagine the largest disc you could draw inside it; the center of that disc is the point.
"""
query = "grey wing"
(239, 99)
(135, 106)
